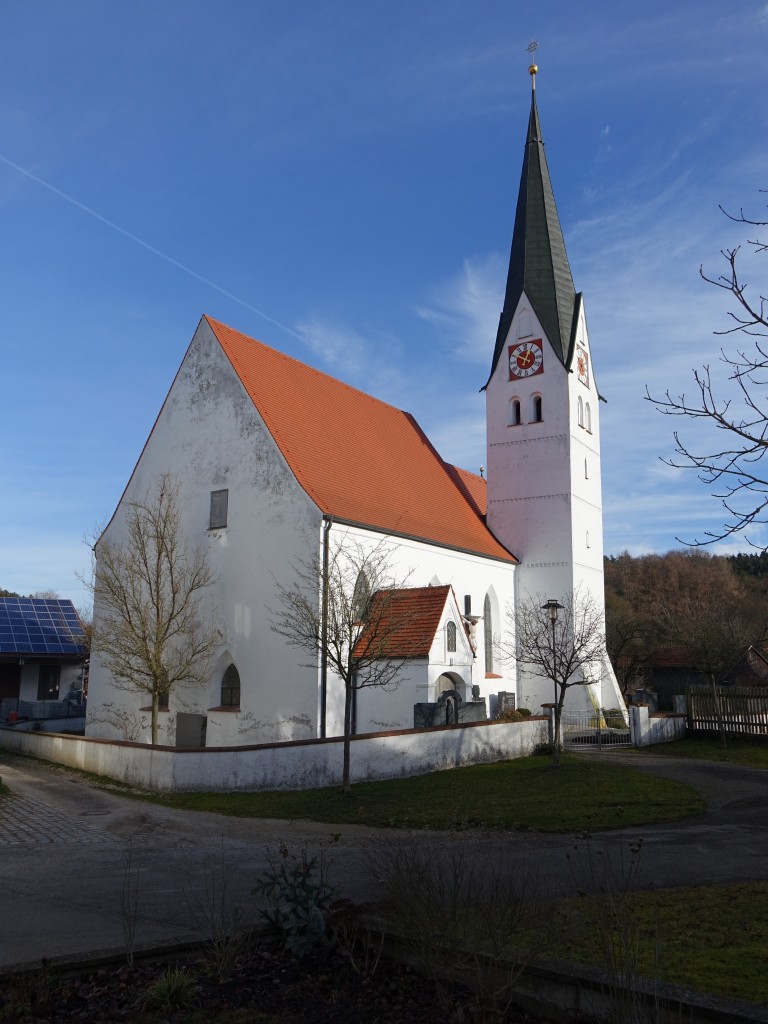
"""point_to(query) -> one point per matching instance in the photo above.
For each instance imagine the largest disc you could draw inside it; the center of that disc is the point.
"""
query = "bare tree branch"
(150, 626)
(565, 651)
(736, 410)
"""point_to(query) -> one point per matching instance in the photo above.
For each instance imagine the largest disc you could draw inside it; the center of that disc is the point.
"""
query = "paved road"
(73, 855)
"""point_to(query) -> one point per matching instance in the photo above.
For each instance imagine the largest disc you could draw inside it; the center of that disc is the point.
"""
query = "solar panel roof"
(36, 625)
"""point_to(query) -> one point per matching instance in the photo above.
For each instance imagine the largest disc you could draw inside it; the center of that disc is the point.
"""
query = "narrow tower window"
(580, 411)
(515, 417)
(450, 636)
(588, 418)
(524, 324)
(536, 410)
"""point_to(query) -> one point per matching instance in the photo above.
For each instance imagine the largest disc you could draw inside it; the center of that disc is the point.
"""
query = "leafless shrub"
(129, 902)
(463, 915)
(217, 916)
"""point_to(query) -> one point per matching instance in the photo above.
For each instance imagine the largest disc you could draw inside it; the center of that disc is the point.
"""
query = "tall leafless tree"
(352, 618)
(565, 650)
(153, 627)
(735, 409)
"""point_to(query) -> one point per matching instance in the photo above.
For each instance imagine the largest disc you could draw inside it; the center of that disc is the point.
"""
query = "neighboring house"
(669, 671)
(278, 463)
(42, 649)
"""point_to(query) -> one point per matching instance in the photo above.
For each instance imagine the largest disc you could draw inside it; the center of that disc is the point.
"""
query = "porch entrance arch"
(450, 688)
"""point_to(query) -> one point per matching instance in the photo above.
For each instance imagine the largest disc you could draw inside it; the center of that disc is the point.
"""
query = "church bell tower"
(543, 422)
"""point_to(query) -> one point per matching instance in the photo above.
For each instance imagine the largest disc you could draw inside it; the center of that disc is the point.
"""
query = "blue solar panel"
(38, 625)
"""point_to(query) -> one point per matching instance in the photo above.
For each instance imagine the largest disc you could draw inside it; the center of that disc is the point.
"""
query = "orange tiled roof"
(405, 621)
(360, 460)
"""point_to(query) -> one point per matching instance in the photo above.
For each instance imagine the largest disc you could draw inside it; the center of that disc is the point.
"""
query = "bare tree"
(361, 636)
(151, 627)
(736, 411)
(628, 640)
(715, 632)
(565, 648)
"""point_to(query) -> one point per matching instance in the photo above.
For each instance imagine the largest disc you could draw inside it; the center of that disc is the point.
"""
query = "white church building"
(278, 464)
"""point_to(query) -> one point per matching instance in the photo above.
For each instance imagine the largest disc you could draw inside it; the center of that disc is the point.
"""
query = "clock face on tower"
(526, 359)
(582, 365)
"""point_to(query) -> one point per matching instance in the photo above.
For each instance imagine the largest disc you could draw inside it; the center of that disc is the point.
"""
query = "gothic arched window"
(230, 688)
(488, 633)
(361, 598)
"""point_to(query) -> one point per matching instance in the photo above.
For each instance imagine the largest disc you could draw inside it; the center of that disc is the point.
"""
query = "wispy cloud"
(466, 307)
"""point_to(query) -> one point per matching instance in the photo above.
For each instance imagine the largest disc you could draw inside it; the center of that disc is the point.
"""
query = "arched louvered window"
(450, 635)
(488, 633)
(524, 324)
(361, 598)
(230, 688)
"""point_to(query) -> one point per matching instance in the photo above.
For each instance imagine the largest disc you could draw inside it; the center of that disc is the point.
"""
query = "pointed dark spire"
(538, 263)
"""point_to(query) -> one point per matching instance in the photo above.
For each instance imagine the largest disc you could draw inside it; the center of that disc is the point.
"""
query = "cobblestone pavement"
(23, 820)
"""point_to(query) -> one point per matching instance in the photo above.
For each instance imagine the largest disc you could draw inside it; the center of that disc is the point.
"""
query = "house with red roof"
(281, 466)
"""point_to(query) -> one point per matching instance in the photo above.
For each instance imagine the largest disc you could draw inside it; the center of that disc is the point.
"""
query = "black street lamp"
(552, 607)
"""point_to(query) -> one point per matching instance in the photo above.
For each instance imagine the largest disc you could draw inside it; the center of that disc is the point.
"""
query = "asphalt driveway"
(74, 859)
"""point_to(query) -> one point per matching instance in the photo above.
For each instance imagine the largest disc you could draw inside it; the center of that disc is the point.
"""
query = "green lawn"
(749, 751)
(709, 938)
(528, 793)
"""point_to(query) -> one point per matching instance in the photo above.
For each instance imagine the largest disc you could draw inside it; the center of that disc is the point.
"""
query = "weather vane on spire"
(532, 47)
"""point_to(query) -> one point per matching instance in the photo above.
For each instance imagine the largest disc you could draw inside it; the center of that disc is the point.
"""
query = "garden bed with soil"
(266, 986)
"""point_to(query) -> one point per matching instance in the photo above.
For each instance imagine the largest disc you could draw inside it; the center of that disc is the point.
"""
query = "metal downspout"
(327, 523)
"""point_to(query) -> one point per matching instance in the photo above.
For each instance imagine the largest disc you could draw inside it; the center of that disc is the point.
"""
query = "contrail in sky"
(150, 248)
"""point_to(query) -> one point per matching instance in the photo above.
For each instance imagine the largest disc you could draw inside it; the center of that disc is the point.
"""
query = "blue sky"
(339, 180)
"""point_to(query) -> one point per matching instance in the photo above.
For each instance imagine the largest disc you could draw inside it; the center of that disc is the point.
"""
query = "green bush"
(172, 991)
(299, 900)
(614, 718)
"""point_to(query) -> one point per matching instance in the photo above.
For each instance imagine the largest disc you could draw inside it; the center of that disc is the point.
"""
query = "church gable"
(420, 622)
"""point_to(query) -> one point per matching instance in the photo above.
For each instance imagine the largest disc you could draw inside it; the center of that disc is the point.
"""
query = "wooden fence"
(733, 709)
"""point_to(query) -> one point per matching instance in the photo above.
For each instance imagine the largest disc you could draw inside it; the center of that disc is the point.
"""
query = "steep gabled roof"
(538, 262)
(406, 620)
(360, 460)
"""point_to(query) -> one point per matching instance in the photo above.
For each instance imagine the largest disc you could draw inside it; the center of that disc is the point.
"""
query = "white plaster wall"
(421, 564)
(648, 729)
(209, 435)
(296, 765)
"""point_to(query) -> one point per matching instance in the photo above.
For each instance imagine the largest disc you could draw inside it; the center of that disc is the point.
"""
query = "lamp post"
(552, 607)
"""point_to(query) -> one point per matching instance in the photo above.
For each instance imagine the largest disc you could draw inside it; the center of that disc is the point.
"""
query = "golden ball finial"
(533, 69)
